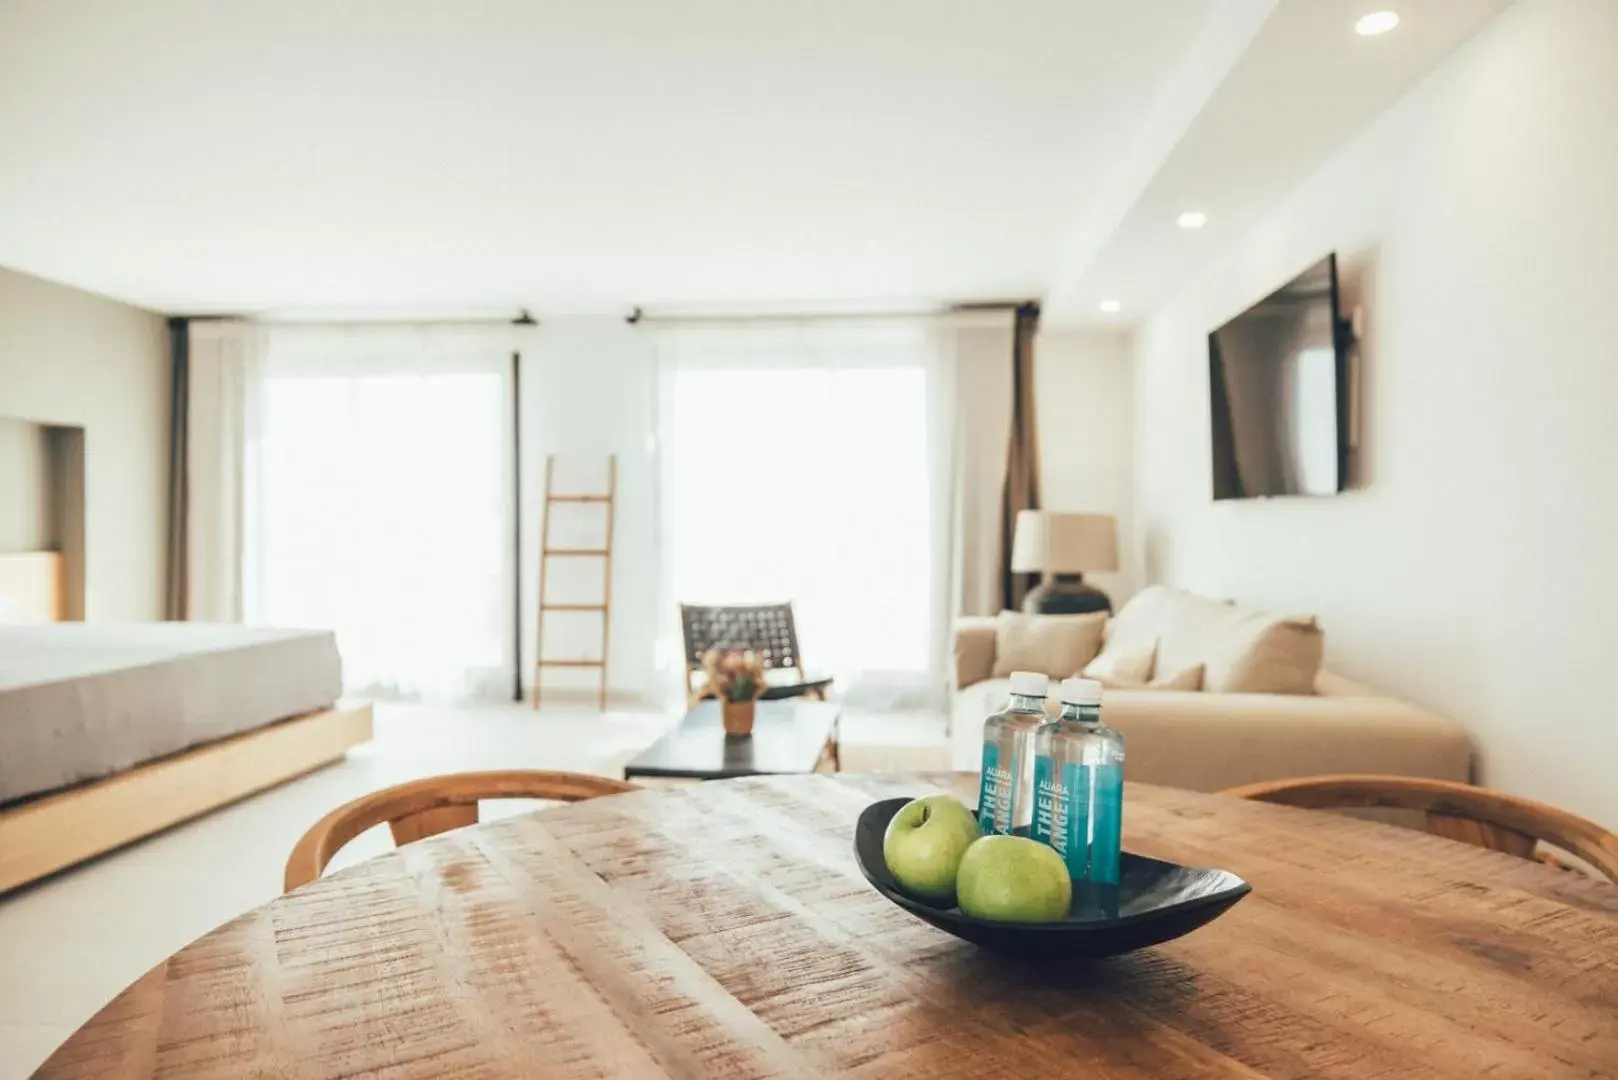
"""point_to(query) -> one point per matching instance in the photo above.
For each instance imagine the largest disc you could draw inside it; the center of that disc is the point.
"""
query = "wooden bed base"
(55, 831)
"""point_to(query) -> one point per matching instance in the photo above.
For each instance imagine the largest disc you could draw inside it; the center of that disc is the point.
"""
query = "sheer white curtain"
(222, 381)
(813, 462)
(381, 504)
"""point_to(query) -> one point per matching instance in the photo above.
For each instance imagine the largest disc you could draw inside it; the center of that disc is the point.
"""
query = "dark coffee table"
(789, 736)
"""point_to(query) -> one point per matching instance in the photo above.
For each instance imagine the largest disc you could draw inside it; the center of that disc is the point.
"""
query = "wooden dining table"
(723, 930)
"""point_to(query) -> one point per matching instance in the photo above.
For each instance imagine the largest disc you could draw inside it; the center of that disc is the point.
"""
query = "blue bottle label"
(1076, 787)
(1079, 813)
(993, 793)
(1106, 824)
(1051, 809)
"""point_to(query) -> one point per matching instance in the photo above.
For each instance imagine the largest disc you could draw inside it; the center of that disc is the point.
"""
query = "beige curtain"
(1021, 488)
(221, 379)
(982, 406)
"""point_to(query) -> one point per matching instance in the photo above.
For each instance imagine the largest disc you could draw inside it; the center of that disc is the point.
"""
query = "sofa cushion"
(1123, 667)
(1055, 645)
(1268, 656)
(1141, 621)
(1243, 651)
(1187, 678)
(1133, 671)
(1196, 630)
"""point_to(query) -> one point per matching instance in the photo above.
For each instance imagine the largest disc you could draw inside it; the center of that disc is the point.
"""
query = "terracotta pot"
(738, 716)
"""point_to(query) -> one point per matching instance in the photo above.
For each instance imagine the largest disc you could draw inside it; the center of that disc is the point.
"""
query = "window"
(380, 507)
(807, 474)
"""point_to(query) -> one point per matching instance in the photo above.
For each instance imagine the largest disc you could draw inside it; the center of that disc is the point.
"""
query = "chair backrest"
(767, 628)
(1472, 815)
(423, 808)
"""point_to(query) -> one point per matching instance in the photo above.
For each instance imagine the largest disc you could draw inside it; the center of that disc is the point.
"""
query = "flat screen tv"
(1278, 382)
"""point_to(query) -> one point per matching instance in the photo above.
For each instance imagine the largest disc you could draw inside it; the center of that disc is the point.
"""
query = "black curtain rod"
(637, 314)
(1024, 307)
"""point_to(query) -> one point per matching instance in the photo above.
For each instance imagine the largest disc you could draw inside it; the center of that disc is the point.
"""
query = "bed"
(110, 732)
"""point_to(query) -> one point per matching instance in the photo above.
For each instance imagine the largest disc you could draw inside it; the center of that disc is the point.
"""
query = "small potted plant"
(736, 678)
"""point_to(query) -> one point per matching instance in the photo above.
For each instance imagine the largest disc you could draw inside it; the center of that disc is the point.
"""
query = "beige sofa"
(1208, 741)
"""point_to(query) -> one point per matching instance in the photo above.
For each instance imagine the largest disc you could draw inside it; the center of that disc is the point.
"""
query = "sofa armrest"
(974, 650)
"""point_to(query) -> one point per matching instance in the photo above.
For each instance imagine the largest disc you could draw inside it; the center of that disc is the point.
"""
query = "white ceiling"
(1301, 86)
(430, 156)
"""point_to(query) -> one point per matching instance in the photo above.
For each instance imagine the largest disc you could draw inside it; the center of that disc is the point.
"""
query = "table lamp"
(1064, 547)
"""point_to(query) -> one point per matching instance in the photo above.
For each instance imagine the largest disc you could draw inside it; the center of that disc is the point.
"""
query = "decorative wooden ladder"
(547, 553)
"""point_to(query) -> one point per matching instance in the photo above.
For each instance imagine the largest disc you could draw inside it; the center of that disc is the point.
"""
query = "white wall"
(588, 388)
(1083, 387)
(25, 496)
(1475, 571)
(67, 357)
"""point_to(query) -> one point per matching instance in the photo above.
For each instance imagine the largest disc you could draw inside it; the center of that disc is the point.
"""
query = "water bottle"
(1006, 791)
(1079, 786)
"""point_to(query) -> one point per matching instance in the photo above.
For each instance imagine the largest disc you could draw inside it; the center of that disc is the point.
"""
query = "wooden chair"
(769, 629)
(1472, 815)
(423, 808)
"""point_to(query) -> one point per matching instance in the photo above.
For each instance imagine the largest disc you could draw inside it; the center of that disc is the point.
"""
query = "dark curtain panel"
(1227, 477)
(1021, 491)
(174, 601)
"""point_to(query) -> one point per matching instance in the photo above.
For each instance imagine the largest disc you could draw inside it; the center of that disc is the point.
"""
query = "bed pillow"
(1054, 645)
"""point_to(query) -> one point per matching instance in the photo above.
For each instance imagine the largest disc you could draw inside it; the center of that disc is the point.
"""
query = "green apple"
(1013, 879)
(924, 844)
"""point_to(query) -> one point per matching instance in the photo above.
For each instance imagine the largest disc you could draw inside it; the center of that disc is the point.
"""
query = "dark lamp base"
(1065, 594)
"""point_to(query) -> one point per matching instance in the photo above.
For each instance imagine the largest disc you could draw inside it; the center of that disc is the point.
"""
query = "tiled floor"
(69, 944)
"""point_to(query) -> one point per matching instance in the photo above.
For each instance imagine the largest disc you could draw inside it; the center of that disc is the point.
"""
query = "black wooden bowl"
(1153, 902)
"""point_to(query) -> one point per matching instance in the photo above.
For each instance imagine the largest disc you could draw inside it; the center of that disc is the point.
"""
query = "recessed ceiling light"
(1111, 307)
(1191, 219)
(1377, 22)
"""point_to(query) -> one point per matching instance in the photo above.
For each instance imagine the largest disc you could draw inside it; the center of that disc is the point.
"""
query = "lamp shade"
(1051, 543)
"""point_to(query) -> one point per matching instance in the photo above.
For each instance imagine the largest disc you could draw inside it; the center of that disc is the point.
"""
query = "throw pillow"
(1056, 645)
(1189, 678)
(1123, 667)
(1142, 620)
(1243, 651)
(1268, 656)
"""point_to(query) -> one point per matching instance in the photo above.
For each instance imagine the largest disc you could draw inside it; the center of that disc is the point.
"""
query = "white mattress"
(80, 701)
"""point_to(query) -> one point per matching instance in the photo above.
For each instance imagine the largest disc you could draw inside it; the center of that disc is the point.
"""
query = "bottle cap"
(1029, 683)
(1080, 692)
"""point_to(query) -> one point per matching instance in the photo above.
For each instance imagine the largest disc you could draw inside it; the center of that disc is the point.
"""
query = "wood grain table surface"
(723, 930)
